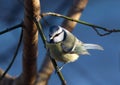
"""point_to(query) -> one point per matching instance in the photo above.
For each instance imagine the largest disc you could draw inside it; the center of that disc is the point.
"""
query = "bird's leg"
(61, 67)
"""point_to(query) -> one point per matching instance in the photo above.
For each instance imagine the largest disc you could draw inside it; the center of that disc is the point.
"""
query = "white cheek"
(56, 39)
(59, 38)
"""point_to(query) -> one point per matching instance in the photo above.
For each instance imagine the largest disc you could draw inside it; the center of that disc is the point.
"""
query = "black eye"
(56, 35)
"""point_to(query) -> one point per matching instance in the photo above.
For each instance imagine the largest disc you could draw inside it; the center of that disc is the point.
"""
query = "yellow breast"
(58, 54)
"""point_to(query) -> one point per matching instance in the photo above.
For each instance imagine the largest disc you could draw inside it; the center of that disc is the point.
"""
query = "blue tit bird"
(65, 47)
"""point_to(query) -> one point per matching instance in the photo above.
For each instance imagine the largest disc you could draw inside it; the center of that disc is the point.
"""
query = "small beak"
(51, 37)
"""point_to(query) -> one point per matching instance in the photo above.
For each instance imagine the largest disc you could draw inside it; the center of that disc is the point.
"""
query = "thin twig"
(39, 27)
(74, 12)
(58, 70)
(82, 22)
(53, 61)
(101, 34)
(14, 57)
(11, 28)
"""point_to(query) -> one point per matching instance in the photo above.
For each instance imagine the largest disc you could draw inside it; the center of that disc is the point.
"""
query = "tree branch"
(11, 28)
(74, 13)
(63, 81)
(39, 27)
(95, 27)
(45, 71)
(107, 31)
(7, 80)
(14, 57)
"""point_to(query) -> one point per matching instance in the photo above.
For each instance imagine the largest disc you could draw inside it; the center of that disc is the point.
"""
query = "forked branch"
(95, 27)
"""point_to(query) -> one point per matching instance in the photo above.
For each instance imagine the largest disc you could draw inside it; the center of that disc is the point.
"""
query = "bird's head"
(56, 34)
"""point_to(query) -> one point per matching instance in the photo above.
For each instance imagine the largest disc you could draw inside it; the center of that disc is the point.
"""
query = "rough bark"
(30, 41)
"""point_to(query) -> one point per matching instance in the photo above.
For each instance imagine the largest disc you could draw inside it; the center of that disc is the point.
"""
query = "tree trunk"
(30, 41)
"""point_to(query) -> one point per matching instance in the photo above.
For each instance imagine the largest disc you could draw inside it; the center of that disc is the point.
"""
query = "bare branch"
(75, 13)
(107, 31)
(95, 27)
(59, 73)
(14, 57)
(45, 71)
(39, 27)
(11, 28)
(7, 80)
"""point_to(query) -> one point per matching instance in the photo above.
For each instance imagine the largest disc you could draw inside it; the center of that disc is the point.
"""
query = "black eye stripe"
(58, 33)
(55, 35)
